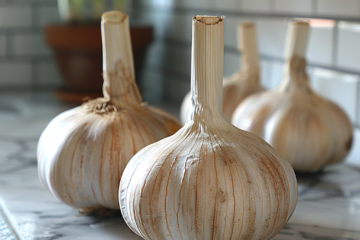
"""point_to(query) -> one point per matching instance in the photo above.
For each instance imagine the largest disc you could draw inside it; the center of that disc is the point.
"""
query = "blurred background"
(50, 51)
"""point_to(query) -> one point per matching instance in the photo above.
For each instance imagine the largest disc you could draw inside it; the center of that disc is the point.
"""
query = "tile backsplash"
(338, 87)
(255, 6)
(348, 48)
(25, 60)
(303, 7)
(338, 8)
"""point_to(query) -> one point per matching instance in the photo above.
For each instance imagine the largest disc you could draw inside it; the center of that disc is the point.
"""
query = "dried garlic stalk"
(241, 84)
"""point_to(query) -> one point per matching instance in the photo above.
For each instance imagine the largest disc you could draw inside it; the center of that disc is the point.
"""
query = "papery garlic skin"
(82, 155)
(242, 83)
(210, 180)
(83, 152)
(306, 129)
(161, 199)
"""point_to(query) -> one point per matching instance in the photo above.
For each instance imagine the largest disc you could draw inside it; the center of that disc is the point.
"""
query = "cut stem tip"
(246, 25)
(300, 23)
(114, 16)
(208, 20)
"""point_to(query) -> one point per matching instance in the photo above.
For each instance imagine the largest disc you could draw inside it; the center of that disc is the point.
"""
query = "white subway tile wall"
(339, 88)
(348, 48)
(47, 15)
(152, 83)
(179, 64)
(176, 86)
(266, 68)
(354, 156)
(227, 5)
(303, 7)
(338, 8)
(15, 16)
(321, 45)
(198, 4)
(310, 73)
(48, 75)
(271, 34)
(256, 6)
(277, 73)
(29, 44)
(155, 55)
(161, 3)
(179, 27)
(25, 60)
(231, 63)
(158, 20)
(230, 30)
(16, 74)
(3, 42)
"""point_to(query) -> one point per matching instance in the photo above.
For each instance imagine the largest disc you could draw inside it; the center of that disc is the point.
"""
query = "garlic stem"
(118, 65)
(297, 40)
(248, 48)
(207, 67)
(295, 68)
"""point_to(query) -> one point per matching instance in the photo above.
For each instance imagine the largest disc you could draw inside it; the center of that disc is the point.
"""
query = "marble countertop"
(328, 205)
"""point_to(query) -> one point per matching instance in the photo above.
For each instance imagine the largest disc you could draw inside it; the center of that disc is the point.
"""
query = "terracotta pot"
(77, 50)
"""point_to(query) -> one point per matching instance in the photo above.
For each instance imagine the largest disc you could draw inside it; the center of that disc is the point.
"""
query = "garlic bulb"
(242, 83)
(210, 180)
(306, 129)
(83, 151)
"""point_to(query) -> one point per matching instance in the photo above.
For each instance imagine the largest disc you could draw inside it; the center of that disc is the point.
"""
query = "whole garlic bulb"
(83, 151)
(242, 83)
(210, 180)
(306, 129)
